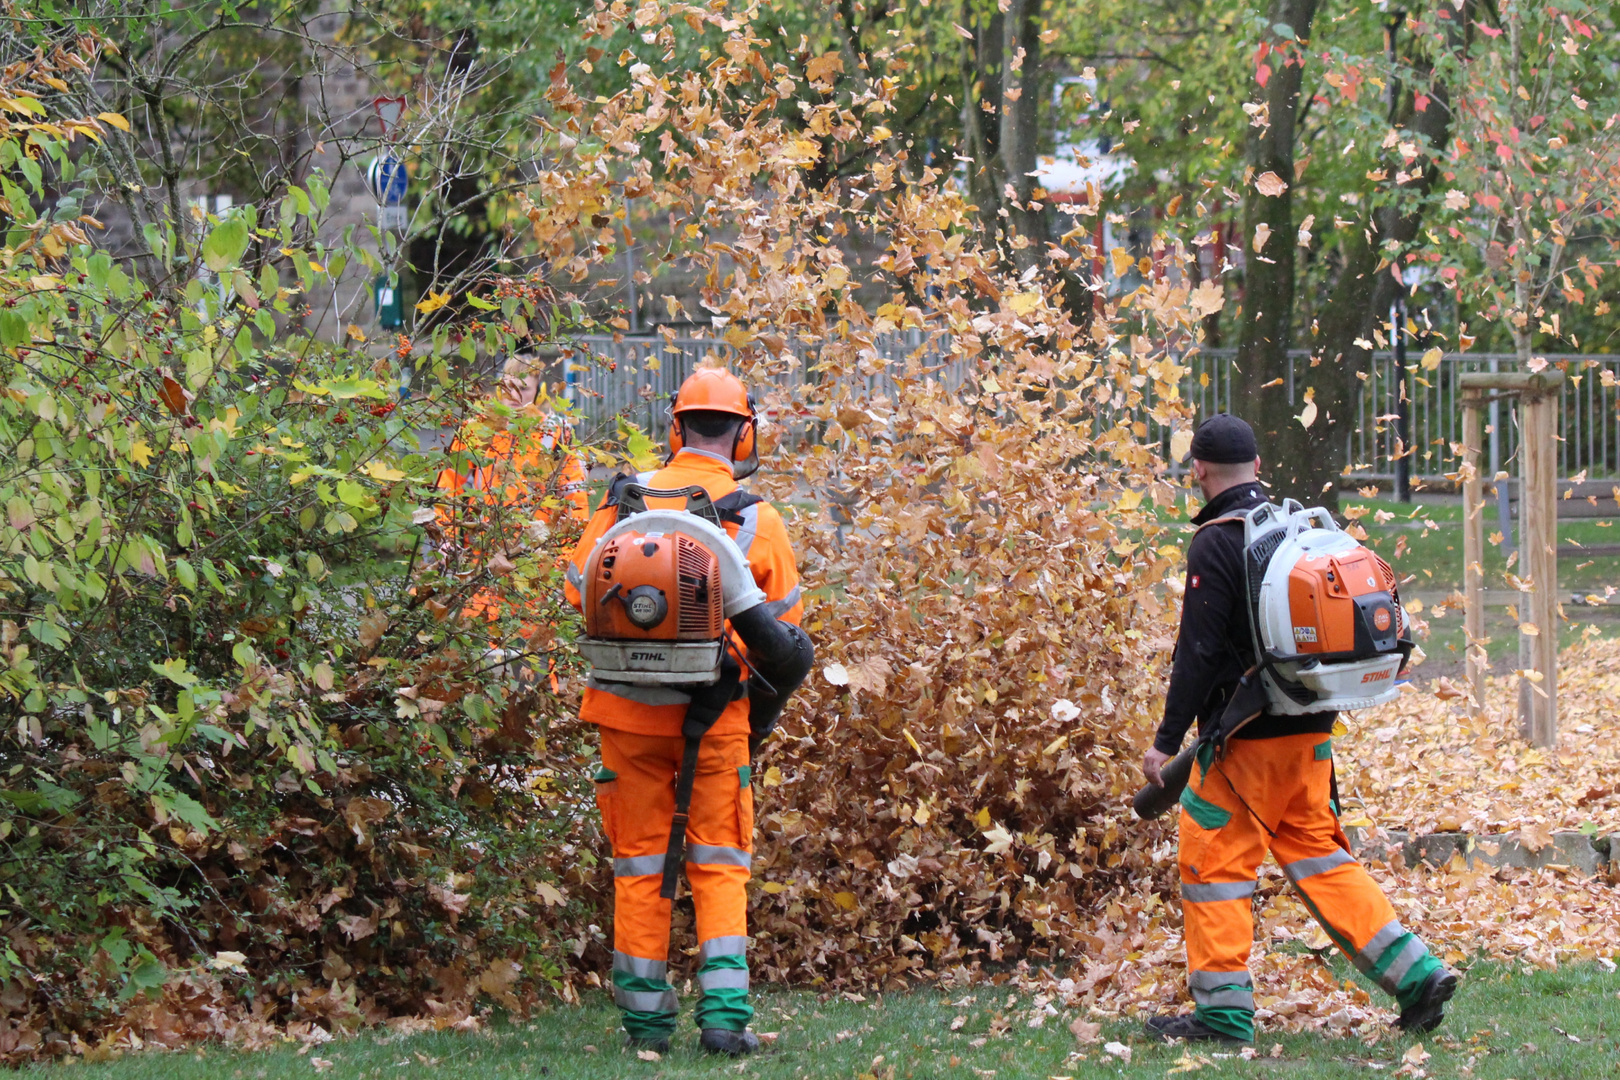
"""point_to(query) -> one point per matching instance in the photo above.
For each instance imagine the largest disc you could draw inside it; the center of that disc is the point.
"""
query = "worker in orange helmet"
(527, 469)
(713, 440)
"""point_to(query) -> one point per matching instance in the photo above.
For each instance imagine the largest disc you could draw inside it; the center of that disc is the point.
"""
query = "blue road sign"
(387, 179)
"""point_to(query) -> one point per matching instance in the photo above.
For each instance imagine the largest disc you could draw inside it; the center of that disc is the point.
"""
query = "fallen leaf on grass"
(321, 1064)
(1119, 1050)
(1085, 1031)
(648, 1055)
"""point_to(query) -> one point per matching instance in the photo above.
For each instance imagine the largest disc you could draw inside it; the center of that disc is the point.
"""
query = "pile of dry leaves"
(1424, 764)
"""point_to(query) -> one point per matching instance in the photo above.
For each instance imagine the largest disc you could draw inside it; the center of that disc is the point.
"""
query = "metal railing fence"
(634, 377)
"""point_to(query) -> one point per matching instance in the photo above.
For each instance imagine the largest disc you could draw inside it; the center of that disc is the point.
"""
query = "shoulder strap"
(1224, 520)
(730, 507)
(615, 489)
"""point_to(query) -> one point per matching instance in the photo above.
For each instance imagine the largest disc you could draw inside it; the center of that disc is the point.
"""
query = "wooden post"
(1538, 537)
(1538, 559)
(1473, 549)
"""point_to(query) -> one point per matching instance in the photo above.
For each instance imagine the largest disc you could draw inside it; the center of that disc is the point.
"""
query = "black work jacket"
(1215, 646)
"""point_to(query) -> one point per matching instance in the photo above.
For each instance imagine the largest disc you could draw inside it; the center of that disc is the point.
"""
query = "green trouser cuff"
(1411, 984)
(723, 981)
(631, 991)
(1238, 1023)
(646, 1025)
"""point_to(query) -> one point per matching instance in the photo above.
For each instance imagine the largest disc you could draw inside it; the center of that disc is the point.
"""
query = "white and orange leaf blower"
(1326, 624)
(664, 590)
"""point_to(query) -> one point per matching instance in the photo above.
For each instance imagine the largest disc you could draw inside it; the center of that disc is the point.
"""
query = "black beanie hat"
(1223, 439)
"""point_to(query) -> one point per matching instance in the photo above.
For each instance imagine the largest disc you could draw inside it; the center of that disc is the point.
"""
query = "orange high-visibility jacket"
(509, 471)
(505, 467)
(657, 710)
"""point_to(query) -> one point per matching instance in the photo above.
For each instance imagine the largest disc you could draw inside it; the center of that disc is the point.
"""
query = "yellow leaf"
(1129, 500)
(845, 900)
(1122, 261)
(1431, 360)
(1180, 444)
(773, 887)
(115, 119)
(140, 453)
(1025, 302)
(378, 471)
(982, 818)
(432, 302)
(772, 777)
(910, 738)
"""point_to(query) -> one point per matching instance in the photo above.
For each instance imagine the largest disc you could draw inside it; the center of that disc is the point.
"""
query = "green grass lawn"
(1505, 1023)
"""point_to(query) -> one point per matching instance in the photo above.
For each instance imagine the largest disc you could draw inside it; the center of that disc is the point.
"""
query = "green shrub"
(251, 751)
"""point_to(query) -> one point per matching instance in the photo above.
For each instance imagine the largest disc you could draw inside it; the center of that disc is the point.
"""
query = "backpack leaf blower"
(663, 591)
(1325, 623)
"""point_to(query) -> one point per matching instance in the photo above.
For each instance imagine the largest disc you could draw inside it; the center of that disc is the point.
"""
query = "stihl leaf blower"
(1325, 623)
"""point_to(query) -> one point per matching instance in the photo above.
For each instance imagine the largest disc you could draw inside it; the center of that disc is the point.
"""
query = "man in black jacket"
(1271, 790)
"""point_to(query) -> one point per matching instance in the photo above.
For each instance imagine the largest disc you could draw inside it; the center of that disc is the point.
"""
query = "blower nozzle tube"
(1154, 800)
(780, 655)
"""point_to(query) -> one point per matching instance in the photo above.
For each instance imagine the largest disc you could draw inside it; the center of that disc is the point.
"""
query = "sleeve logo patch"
(1195, 581)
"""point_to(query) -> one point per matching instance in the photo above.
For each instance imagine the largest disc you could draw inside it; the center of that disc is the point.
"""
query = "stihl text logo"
(647, 656)
(1375, 676)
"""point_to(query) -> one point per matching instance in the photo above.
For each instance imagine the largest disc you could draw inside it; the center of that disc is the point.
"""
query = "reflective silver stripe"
(726, 945)
(724, 979)
(642, 695)
(649, 1001)
(1195, 893)
(575, 578)
(778, 608)
(1225, 999)
(640, 966)
(639, 865)
(714, 855)
(1212, 980)
(748, 528)
(1367, 958)
(1321, 864)
(1411, 954)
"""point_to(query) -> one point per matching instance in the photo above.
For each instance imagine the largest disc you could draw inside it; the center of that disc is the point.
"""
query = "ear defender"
(675, 439)
(745, 445)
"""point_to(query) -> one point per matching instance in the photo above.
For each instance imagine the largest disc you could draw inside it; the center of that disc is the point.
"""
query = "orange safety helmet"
(718, 390)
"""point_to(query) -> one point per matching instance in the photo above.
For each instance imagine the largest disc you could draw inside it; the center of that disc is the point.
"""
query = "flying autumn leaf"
(432, 302)
(1262, 233)
(1270, 184)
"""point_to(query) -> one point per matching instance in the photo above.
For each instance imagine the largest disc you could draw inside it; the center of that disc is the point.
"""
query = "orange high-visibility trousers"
(635, 790)
(1286, 783)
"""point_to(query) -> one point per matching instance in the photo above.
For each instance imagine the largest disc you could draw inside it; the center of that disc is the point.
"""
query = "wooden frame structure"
(1537, 396)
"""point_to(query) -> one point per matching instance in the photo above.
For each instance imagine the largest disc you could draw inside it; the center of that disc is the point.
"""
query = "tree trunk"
(1027, 230)
(1265, 327)
(1363, 292)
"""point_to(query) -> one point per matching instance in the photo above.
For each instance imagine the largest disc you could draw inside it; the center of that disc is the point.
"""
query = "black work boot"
(659, 1045)
(1426, 1013)
(1186, 1026)
(726, 1041)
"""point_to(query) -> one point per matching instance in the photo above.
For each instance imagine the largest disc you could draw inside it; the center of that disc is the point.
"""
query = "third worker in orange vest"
(713, 441)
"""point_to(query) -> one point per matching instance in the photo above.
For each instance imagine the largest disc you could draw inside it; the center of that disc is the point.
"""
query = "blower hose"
(780, 655)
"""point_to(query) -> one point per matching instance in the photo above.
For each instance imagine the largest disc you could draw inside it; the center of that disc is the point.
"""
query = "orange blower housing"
(1345, 604)
(653, 611)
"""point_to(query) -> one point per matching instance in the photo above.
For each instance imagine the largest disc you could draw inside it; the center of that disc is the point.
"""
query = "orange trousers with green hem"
(635, 791)
(1286, 783)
